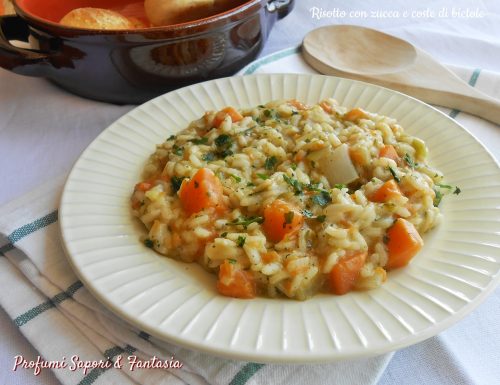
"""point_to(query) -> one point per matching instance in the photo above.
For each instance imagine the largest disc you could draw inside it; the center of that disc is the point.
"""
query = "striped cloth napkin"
(66, 324)
(60, 318)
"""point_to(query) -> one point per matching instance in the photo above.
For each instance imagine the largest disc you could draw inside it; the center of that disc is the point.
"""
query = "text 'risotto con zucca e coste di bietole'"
(286, 199)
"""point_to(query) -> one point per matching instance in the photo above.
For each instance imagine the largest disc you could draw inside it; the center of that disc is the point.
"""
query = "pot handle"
(19, 60)
(282, 7)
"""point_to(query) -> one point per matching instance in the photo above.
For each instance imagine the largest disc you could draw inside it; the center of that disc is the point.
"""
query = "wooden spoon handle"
(474, 103)
(432, 82)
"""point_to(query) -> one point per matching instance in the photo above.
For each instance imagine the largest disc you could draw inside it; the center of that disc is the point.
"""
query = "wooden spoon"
(369, 55)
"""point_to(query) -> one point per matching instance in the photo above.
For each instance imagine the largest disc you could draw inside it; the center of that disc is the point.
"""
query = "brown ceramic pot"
(132, 66)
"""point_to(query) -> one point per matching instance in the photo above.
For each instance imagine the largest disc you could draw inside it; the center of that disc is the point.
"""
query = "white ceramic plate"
(177, 302)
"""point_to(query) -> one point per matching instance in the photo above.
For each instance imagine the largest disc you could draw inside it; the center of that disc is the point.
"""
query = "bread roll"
(97, 18)
(6, 7)
(165, 12)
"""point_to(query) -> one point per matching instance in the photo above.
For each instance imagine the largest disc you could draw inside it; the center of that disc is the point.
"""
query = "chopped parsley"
(148, 243)
(310, 215)
(262, 176)
(225, 153)
(203, 140)
(257, 119)
(223, 143)
(409, 161)
(250, 184)
(246, 221)
(307, 214)
(271, 114)
(178, 150)
(321, 218)
(393, 172)
(270, 163)
(241, 241)
(268, 113)
(171, 137)
(208, 157)
(438, 198)
(232, 261)
(297, 186)
(439, 194)
(223, 140)
(322, 199)
(288, 218)
(456, 189)
(224, 234)
(313, 186)
(340, 186)
(176, 182)
(293, 166)
(235, 177)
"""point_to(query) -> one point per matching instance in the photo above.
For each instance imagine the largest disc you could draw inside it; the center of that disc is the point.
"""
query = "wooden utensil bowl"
(365, 54)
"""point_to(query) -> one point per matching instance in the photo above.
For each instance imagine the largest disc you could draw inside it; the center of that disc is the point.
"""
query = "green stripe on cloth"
(92, 376)
(95, 373)
(246, 373)
(113, 352)
(271, 58)
(475, 75)
(27, 229)
(5, 248)
(472, 82)
(144, 335)
(24, 318)
(16, 236)
(52, 302)
(30, 228)
(32, 313)
(116, 350)
(110, 354)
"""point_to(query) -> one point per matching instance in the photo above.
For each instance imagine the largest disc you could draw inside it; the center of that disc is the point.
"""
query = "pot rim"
(73, 31)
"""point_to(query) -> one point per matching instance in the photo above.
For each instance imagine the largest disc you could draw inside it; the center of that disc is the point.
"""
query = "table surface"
(36, 144)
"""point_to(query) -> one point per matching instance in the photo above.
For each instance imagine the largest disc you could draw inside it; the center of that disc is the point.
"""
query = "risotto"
(288, 199)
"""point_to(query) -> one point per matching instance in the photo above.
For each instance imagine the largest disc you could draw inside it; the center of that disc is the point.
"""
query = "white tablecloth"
(43, 130)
